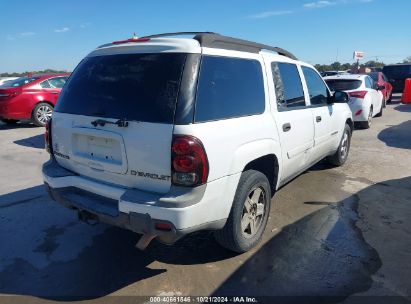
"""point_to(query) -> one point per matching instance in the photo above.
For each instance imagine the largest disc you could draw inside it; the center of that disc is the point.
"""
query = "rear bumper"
(185, 209)
(359, 110)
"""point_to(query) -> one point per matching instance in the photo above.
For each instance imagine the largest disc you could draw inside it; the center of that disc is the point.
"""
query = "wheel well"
(268, 165)
(350, 123)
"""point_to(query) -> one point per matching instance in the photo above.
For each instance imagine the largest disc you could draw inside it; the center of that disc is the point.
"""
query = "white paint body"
(230, 144)
(360, 107)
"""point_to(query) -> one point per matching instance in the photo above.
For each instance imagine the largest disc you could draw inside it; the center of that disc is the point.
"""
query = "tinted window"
(343, 84)
(141, 87)
(58, 82)
(45, 84)
(229, 87)
(288, 87)
(19, 82)
(316, 87)
(368, 83)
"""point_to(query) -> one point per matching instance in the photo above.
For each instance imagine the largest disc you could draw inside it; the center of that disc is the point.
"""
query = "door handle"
(286, 127)
(54, 92)
(318, 119)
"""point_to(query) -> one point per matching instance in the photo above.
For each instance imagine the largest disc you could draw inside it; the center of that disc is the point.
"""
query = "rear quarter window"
(228, 88)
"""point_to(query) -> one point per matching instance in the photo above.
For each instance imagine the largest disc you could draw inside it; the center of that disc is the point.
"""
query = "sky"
(40, 34)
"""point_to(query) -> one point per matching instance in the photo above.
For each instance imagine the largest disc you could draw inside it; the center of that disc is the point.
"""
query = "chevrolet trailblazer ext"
(166, 136)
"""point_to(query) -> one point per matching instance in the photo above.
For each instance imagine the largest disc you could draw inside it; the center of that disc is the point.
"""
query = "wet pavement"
(338, 233)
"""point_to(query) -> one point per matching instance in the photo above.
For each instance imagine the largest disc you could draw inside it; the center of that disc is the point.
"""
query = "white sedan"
(366, 99)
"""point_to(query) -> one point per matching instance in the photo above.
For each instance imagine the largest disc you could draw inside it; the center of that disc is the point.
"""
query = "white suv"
(166, 136)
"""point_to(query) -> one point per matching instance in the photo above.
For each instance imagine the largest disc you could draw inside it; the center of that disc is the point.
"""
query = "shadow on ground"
(398, 136)
(323, 256)
(18, 125)
(403, 108)
(36, 141)
(50, 254)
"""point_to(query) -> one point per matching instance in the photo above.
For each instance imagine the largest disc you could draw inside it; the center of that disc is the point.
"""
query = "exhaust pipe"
(144, 241)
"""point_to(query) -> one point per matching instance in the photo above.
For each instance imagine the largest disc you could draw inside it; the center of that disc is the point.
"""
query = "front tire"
(41, 114)
(249, 214)
(341, 155)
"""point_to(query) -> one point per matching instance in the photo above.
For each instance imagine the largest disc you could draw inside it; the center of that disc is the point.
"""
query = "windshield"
(343, 84)
(141, 87)
(18, 82)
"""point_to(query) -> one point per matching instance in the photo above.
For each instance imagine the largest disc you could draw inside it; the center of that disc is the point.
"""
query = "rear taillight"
(358, 94)
(47, 137)
(189, 164)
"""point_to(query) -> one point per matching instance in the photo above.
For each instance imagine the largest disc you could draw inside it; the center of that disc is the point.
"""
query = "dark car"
(396, 74)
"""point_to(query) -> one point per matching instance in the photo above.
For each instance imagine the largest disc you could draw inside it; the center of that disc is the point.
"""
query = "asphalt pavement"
(341, 232)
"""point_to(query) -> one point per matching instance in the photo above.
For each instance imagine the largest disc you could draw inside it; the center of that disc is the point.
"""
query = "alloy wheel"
(253, 212)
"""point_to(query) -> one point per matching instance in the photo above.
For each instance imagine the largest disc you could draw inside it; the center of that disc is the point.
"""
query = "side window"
(316, 87)
(45, 84)
(288, 87)
(58, 82)
(229, 87)
(368, 83)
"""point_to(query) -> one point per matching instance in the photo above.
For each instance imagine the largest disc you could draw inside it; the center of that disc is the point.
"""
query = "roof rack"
(214, 40)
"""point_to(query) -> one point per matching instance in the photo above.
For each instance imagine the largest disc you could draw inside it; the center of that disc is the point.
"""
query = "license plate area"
(100, 150)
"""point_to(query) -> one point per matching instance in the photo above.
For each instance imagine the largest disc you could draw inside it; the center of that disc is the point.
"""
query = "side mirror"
(340, 97)
(380, 87)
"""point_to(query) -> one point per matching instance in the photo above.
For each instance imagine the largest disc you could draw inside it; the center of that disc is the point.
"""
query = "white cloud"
(27, 34)
(62, 30)
(319, 4)
(269, 14)
(84, 25)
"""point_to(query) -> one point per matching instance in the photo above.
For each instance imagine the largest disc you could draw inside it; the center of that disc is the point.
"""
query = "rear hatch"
(346, 85)
(113, 121)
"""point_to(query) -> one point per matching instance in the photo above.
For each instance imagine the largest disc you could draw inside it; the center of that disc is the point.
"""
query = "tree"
(336, 66)
(407, 60)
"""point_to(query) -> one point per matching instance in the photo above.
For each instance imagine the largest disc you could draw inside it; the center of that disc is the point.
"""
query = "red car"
(32, 97)
(381, 80)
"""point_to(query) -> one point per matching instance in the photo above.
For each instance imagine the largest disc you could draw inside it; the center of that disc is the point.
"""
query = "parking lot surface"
(339, 232)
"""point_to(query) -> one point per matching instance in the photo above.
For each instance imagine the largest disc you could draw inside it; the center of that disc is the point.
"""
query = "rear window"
(343, 84)
(229, 87)
(397, 71)
(18, 82)
(139, 87)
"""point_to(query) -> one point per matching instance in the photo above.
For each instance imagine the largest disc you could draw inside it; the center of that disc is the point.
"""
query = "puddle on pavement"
(323, 254)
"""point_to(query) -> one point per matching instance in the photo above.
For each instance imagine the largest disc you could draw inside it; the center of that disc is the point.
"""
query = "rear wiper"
(122, 123)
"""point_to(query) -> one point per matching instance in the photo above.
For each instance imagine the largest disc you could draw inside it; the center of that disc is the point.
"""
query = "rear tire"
(9, 121)
(367, 124)
(340, 156)
(41, 114)
(380, 113)
(249, 214)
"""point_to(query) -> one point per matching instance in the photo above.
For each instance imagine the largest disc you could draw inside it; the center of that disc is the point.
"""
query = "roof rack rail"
(214, 40)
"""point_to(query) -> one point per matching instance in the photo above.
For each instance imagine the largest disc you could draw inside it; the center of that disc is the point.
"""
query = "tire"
(237, 235)
(367, 124)
(389, 98)
(9, 121)
(380, 113)
(41, 113)
(340, 156)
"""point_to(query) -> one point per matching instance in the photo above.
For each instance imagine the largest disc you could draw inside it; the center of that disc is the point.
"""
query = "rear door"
(114, 119)
(293, 118)
(325, 118)
(376, 96)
